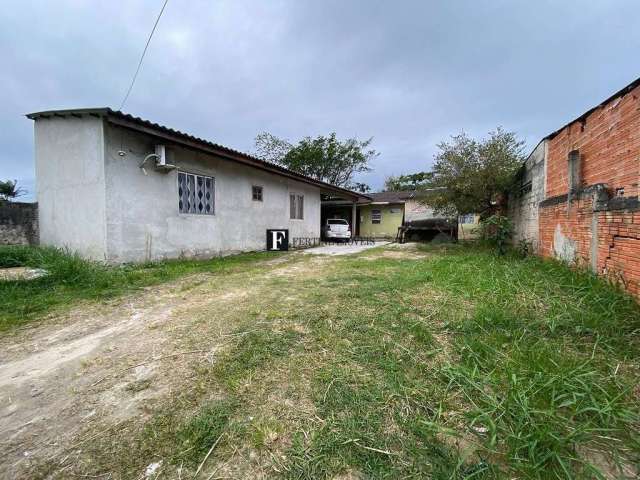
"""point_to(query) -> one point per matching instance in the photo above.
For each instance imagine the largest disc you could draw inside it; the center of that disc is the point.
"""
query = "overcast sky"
(408, 73)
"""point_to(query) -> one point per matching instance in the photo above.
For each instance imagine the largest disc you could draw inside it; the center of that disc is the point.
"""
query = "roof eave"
(145, 126)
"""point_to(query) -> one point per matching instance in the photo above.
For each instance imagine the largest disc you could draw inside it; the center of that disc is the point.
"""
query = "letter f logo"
(277, 236)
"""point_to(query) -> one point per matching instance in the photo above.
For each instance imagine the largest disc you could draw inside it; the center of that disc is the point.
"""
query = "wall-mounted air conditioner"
(161, 159)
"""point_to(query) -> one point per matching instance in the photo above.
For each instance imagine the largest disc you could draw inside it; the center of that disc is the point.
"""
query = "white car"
(336, 229)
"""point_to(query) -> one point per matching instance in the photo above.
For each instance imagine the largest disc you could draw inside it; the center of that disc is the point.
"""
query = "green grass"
(459, 364)
(72, 279)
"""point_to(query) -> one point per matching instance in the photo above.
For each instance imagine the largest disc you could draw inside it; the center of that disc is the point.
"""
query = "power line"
(133, 80)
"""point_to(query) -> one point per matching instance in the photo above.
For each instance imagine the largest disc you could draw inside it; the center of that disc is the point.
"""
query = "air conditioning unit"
(161, 159)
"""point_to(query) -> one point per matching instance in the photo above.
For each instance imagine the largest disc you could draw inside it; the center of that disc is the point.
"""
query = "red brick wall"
(609, 145)
(617, 239)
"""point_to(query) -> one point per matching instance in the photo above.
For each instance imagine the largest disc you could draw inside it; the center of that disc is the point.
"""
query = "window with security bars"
(195, 194)
(376, 216)
(296, 207)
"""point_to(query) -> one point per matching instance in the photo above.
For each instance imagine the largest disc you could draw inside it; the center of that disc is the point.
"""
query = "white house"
(118, 188)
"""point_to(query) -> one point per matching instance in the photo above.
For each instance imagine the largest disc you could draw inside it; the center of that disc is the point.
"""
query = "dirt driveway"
(76, 376)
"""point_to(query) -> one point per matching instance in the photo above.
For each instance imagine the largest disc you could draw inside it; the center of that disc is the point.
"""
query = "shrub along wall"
(18, 223)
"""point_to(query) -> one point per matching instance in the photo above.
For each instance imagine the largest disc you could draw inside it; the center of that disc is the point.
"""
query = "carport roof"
(126, 120)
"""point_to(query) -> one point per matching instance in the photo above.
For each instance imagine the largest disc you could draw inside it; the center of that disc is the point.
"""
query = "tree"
(412, 181)
(472, 176)
(324, 158)
(361, 187)
(9, 190)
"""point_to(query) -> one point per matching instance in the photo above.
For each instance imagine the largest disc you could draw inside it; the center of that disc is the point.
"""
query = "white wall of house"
(69, 154)
(143, 218)
(102, 205)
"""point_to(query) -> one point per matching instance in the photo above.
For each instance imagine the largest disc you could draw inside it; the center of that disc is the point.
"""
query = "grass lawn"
(72, 279)
(444, 362)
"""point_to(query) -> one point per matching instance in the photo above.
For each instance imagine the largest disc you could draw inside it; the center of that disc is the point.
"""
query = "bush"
(496, 230)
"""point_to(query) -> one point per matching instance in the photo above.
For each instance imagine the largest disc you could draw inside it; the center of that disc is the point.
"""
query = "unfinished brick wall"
(598, 224)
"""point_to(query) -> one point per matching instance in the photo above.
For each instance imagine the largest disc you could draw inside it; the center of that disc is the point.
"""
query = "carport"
(344, 206)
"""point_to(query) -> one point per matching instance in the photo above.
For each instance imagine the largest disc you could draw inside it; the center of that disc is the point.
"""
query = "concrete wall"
(524, 201)
(69, 158)
(18, 223)
(142, 217)
(391, 220)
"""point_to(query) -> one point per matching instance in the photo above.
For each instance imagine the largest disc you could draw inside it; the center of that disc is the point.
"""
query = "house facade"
(105, 191)
(468, 227)
(381, 216)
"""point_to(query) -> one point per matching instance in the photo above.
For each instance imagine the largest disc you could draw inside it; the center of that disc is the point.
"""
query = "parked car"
(336, 229)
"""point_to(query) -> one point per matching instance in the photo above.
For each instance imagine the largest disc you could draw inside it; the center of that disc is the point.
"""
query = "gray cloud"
(407, 73)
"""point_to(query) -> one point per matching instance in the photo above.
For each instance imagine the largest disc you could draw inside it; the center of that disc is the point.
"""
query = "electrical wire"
(133, 81)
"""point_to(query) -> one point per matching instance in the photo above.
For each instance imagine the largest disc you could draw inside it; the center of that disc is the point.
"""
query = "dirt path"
(101, 364)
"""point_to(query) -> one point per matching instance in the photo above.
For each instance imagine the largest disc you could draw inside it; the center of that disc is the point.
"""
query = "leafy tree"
(473, 176)
(412, 181)
(324, 158)
(9, 190)
(271, 148)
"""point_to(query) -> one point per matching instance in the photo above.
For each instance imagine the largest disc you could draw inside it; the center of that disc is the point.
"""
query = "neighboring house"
(381, 216)
(590, 213)
(117, 188)
(468, 226)
(524, 201)
(386, 214)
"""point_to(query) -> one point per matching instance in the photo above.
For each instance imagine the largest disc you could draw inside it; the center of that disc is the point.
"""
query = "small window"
(256, 193)
(376, 216)
(395, 210)
(296, 206)
(196, 194)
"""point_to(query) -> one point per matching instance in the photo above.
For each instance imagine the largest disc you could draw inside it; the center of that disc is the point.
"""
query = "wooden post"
(354, 223)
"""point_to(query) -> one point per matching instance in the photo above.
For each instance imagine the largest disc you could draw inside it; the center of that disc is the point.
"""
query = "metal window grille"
(196, 194)
(256, 193)
(376, 216)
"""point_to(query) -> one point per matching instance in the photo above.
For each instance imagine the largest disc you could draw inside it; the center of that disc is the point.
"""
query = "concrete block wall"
(529, 192)
(598, 225)
(18, 223)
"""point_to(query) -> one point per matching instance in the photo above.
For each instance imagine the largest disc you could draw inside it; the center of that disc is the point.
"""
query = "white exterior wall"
(142, 217)
(71, 184)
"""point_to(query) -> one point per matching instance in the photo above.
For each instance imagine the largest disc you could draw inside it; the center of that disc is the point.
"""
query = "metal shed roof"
(126, 120)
